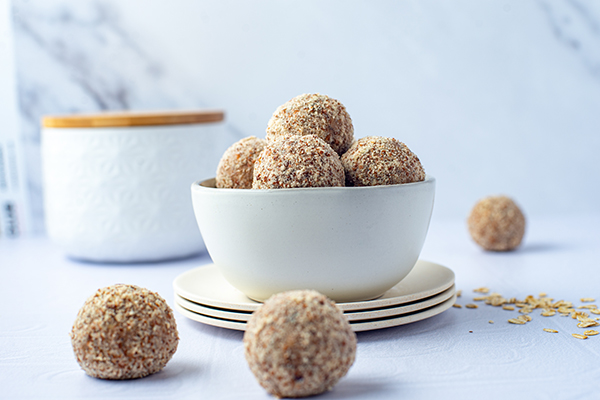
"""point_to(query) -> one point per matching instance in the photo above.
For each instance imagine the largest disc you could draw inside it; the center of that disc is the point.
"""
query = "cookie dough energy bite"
(496, 223)
(377, 160)
(124, 332)
(236, 167)
(313, 114)
(299, 344)
(297, 161)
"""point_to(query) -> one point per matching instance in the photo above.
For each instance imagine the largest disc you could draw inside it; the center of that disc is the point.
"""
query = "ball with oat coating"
(297, 161)
(377, 160)
(124, 332)
(299, 344)
(236, 167)
(313, 114)
(496, 223)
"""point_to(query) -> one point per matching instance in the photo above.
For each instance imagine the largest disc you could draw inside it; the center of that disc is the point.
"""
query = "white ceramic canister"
(116, 186)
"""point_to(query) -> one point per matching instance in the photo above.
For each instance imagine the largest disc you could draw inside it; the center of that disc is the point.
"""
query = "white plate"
(357, 326)
(207, 286)
(352, 315)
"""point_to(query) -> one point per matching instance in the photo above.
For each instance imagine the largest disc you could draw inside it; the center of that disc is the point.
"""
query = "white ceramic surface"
(357, 326)
(122, 194)
(349, 243)
(206, 285)
(356, 315)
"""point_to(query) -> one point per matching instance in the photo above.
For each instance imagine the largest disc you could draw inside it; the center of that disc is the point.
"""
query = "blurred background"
(495, 97)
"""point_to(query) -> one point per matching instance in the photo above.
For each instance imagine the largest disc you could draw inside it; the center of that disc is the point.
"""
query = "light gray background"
(495, 97)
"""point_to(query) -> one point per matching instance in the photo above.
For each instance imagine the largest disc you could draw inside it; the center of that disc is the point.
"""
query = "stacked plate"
(203, 294)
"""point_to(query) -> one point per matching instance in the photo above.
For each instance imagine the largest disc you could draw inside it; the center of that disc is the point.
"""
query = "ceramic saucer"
(206, 286)
(357, 326)
(352, 315)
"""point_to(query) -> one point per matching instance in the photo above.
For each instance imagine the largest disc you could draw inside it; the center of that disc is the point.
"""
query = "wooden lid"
(121, 119)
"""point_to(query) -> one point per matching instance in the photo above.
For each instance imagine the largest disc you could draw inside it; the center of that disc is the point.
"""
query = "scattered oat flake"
(595, 311)
(471, 305)
(543, 294)
(562, 303)
(588, 324)
(481, 298)
(490, 321)
(516, 321)
(482, 290)
(580, 315)
(459, 293)
(509, 308)
(456, 305)
(550, 330)
(496, 301)
(548, 313)
(589, 306)
(578, 336)
(525, 318)
(587, 300)
(591, 332)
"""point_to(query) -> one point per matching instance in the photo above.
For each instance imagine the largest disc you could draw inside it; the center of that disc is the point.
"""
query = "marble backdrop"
(494, 96)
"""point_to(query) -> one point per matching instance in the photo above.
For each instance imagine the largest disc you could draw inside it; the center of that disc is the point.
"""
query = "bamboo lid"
(122, 119)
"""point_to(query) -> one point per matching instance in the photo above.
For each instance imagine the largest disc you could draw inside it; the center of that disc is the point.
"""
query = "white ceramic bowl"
(120, 193)
(351, 243)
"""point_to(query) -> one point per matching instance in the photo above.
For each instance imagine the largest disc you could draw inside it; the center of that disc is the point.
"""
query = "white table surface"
(41, 292)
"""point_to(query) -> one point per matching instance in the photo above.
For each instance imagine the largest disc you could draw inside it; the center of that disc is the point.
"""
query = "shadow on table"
(541, 247)
(222, 333)
(175, 372)
(531, 248)
(350, 387)
(194, 259)
(176, 368)
(438, 322)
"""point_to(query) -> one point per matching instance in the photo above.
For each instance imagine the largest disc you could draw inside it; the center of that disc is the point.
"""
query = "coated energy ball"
(299, 344)
(236, 168)
(124, 332)
(496, 223)
(297, 161)
(313, 114)
(376, 160)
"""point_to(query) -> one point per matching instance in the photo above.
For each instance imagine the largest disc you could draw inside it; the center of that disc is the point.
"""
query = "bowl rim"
(204, 185)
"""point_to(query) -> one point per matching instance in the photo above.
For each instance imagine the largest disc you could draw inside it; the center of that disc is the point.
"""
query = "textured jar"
(116, 186)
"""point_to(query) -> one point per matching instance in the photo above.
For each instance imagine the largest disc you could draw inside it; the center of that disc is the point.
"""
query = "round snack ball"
(236, 168)
(377, 160)
(297, 161)
(124, 332)
(496, 223)
(313, 114)
(299, 344)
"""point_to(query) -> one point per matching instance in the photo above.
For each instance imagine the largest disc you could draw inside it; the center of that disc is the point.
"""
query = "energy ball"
(124, 332)
(299, 344)
(297, 161)
(376, 160)
(496, 223)
(313, 114)
(236, 168)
